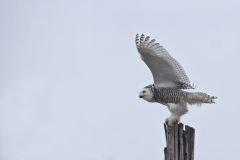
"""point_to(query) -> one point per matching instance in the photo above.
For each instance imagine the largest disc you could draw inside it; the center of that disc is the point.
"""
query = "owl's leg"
(177, 110)
(172, 119)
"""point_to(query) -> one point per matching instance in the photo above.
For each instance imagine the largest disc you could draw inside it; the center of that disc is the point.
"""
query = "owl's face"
(146, 94)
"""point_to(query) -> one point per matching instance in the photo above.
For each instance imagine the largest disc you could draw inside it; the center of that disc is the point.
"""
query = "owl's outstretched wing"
(166, 71)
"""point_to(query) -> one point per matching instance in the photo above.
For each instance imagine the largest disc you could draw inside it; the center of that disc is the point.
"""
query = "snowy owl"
(170, 80)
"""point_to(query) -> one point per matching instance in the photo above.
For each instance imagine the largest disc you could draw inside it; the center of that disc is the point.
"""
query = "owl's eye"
(143, 91)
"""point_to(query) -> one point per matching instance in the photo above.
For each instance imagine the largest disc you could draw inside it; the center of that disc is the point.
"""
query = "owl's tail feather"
(199, 98)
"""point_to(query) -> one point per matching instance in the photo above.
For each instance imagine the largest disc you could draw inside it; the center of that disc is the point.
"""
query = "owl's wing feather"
(166, 71)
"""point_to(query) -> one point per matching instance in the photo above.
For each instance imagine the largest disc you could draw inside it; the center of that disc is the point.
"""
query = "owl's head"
(147, 94)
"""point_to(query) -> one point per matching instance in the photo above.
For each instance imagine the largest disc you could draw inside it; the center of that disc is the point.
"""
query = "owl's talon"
(170, 121)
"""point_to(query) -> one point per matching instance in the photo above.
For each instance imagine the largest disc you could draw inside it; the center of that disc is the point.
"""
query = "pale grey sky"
(70, 77)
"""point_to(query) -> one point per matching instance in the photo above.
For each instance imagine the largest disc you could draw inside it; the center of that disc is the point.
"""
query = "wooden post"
(180, 142)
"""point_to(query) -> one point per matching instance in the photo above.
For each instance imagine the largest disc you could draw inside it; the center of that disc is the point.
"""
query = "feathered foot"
(172, 120)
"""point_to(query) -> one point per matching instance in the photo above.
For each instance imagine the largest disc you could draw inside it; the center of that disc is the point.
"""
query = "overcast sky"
(70, 77)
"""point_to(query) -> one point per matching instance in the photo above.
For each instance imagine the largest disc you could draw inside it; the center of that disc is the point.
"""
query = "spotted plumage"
(170, 80)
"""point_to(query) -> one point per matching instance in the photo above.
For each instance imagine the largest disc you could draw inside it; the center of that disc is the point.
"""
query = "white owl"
(170, 80)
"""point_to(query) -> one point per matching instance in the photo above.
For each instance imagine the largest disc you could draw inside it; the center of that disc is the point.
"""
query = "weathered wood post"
(180, 142)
